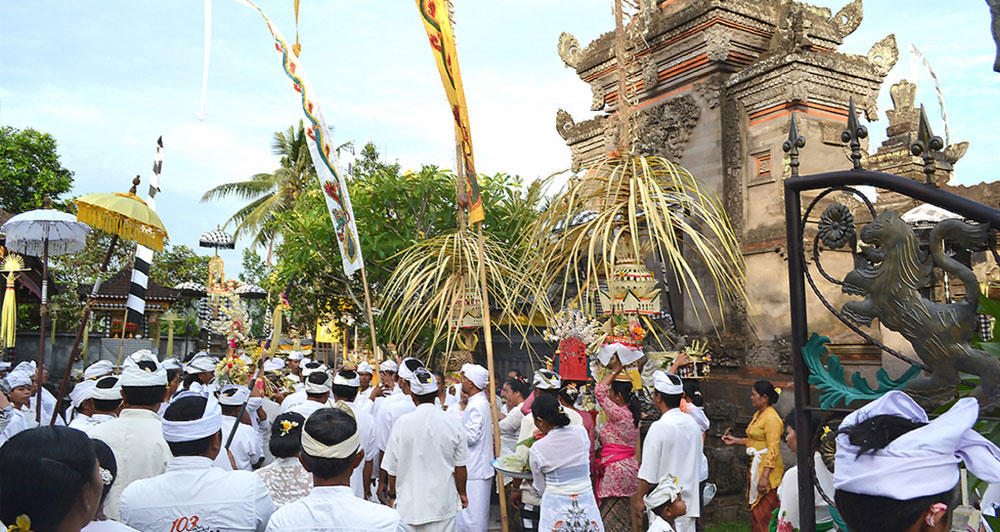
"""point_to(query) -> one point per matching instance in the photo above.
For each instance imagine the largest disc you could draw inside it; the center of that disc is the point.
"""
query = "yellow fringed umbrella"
(126, 217)
(8, 316)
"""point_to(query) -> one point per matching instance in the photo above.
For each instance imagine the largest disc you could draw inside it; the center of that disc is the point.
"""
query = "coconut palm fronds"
(624, 209)
(436, 285)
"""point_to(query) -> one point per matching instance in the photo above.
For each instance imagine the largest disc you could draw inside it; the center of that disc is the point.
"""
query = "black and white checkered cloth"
(985, 326)
(144, 256)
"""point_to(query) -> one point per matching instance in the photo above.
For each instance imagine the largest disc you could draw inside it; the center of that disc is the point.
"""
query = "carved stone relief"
(717, 42)
(732, 160)
(884, 54)
(650, 73)
(796, 87)
(569, 50)
(597, 102)
(848, 18)
(564, 123)
(710, 90)
(664, 129)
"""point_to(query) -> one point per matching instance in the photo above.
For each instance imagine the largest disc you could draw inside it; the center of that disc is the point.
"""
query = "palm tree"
(271, 193)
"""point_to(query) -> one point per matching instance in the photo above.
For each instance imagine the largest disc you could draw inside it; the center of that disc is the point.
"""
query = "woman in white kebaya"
(285, 477)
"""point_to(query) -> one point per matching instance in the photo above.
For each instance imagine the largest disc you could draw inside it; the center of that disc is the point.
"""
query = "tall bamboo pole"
(371, 319)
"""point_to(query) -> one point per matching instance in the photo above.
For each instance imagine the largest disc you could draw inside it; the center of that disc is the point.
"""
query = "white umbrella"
(40, 233)
(927, 213)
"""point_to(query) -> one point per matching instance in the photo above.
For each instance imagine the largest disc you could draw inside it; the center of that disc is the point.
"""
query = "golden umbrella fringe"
(642, 205)
(100, 217)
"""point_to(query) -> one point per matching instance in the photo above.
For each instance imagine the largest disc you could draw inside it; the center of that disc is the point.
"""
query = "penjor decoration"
(8, 323)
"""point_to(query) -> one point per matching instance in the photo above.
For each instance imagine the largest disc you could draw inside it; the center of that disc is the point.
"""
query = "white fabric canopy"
(26, 233)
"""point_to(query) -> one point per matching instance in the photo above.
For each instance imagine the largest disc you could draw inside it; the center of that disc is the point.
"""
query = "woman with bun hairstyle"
(560, 468)
(763, 442)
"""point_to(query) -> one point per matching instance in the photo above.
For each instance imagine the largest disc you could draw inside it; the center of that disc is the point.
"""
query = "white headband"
(388, 365)
(4, 366)
(98, 369)
(182, 431)
(922, 462)
(340, 380)
(667, 490)
(546, 380)
(114, 393)
(344, 449)
(423, 382)
(405, 372)
(319, 388)
(234, 395)
(171, 363)
(18, 378)
(201, 363)
(365, 367)
(664, 384)
(133, 376)
(309, 371)
(81, 392)
(477, 374)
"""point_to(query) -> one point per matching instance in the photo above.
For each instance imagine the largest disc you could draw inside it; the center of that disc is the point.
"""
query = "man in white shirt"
(193, 494)
(331, 450)
(246, 447)
(673, 446)
(362, 400)
(295, 365)
(48, 400)
(82, 407)
(107, 398)
(392, 408)
(345, 390)
(477, 420)
(425, 460)
(199, 373)
(17, 416)
(300, 395)
(317, 387)
(136, 436)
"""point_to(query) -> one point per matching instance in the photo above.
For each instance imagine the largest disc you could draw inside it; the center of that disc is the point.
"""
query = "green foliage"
(30, 169)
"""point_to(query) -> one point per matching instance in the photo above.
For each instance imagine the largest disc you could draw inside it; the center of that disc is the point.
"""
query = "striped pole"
(136, 304)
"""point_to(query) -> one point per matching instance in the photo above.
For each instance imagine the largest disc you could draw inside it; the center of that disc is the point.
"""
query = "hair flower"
(777, 390)
(106, 477)
(23, 524)
(287, 426)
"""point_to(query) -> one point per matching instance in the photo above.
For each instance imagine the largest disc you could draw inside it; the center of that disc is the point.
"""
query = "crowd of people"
(162, 446)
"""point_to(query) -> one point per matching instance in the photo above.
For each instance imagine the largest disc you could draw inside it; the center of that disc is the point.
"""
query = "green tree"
(256, 271)
(270, 193)
(30, 169)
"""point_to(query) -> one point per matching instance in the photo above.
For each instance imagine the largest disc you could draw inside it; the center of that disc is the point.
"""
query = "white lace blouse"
(287, 480)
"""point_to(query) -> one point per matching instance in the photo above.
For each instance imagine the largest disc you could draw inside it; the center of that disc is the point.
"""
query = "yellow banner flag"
(435, 16)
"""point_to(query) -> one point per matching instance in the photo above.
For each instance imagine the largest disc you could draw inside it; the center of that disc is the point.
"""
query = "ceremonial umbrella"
(191, 289)
(125, 216)
(250, 291)
(41, 233)
(218, 239)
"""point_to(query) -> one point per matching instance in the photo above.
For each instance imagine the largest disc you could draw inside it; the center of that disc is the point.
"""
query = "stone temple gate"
(715, 85)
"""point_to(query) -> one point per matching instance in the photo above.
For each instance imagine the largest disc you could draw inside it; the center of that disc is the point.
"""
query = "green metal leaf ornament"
(830, 378)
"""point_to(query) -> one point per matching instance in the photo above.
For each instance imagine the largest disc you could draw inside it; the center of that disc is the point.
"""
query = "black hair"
(671, 400)
(42, 474)
(767, 390)
(317, 377)
(172, 374)
(517, 373)
(143, 395)
(329, 426)
(188, 408)
(189, 379)
(107, 405)
(802, 438)
(519, 385)
(312, 365)
(341, 391)
(873, 513)
(693, 390)
(546, 407)
(412, 364)
(286, 445)
(230, 410)
(425, 398)
(631, 399)
(106, 460)
(569, 393)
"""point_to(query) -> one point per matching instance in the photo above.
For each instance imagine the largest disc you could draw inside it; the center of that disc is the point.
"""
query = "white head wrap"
(921, 462)
(546, 380)
(201, 363)
(273, 364)
(341, 450)
(98, 369)
(27, 366)
(340, 380)
(667, 490)
(306, 360)
(667, 383)
(407, 368)
(423, 382)
(295, 355)
(133, 376)
(477, 374)
(234, 395)
(171, 363)
(19, 378)
(81, 392)
(209, 423)
(365, 367)
(325, 387)
(4, 366)
(307, 371)
(388, 365)
(114, 393)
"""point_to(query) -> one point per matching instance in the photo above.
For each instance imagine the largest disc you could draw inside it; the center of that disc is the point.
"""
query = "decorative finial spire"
(135, 185)
(853, 134)
(46, 202)
(792, 145)
(926, 144)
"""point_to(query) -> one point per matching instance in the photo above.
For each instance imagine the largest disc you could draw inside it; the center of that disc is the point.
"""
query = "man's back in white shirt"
(246, 447)
(193, 495)
(335, 508)
(136, 438)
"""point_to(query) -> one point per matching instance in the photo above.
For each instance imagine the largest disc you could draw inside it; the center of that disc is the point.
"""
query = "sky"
(106, 78)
